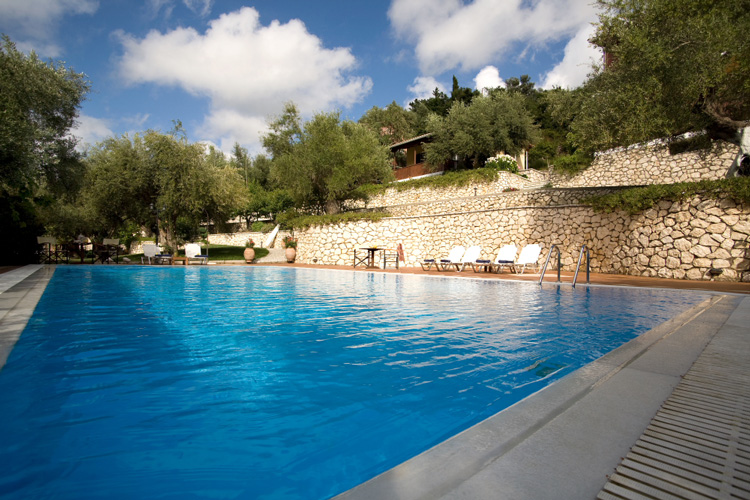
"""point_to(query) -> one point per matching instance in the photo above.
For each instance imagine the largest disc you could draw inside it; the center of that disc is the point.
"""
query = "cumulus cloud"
(247, 70)
(90, 130)
(33, 23)
(579, 57)
(488, 78)
(449, 34)
(423, 87)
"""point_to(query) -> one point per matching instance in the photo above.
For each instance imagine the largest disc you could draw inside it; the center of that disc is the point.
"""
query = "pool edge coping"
(20, 292)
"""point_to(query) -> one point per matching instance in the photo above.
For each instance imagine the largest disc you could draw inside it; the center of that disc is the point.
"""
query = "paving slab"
(20, 291)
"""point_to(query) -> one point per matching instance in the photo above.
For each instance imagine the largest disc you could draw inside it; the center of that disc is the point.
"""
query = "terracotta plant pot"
(249, 255)
(291, 254)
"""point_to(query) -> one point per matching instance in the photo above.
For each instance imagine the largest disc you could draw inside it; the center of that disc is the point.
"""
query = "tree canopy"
(39, 165)
(161, 182)
(325, 161)
(674, 66)
(474, 132)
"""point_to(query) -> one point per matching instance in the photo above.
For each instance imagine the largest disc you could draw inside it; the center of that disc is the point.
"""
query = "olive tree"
(39, 165)
(474, 132)
(673, 66)
(324, 162)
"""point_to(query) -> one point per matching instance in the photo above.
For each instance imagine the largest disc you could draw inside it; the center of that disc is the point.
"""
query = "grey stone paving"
(698, 444)
(20, 290)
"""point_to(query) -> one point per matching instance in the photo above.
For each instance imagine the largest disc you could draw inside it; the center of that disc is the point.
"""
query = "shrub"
(296, 221)
(635, 200)
(572, 164)
(502, 162)
(289, 242)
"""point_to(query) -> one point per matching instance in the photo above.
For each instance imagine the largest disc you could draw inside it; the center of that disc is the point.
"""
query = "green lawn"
(215, 253)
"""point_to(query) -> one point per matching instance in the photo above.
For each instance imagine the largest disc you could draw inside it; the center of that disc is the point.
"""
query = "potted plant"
(249, 252)
(290, 243)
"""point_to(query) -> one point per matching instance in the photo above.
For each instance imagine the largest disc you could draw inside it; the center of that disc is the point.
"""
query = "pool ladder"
(585, 248)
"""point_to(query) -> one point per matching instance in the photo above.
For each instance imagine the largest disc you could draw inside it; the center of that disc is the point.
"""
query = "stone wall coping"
(485, 210)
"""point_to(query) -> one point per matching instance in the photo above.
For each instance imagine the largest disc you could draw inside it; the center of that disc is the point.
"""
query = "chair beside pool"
(529, 257)
(505, 258)
(469, 258)
(150, 251)
(106, 250)
(193, 254)
(454, 257)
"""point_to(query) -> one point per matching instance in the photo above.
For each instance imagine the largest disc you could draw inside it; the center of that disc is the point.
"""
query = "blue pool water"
(252, 382)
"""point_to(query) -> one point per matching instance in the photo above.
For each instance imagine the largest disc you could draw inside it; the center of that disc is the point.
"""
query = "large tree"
(672, 66)
(324, 162)
(161, 182)
(39, 102)
(474, 132)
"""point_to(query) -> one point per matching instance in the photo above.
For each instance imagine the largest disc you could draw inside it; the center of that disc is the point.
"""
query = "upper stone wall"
(634, 166)
(652, 164)
(505, 181)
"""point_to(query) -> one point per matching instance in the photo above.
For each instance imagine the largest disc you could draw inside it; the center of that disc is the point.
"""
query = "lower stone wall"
(674, 240)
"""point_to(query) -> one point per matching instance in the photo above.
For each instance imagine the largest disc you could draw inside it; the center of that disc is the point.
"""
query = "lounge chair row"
(152, 255)
(460, 257)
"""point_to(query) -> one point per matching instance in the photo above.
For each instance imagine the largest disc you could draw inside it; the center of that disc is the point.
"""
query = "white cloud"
(246, 70)
(488, 78)
(423, 87)
(449, 34)
(579, 57)
(33, 23)
(90, 130)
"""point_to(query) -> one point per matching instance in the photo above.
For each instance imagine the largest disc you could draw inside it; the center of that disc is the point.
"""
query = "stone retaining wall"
(634, 166)
(239, 239)
(652, 164)
(527, 198)
(675, 240)
(505, 180)
(233, 239)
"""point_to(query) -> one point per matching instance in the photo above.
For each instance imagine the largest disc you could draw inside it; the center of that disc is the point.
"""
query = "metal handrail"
(544, 269)
(588, 265)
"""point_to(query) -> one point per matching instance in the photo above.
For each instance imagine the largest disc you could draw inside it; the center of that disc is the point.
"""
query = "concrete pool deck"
(564, 441)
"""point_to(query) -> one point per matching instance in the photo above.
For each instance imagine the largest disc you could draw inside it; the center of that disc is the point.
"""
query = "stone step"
(274, 255)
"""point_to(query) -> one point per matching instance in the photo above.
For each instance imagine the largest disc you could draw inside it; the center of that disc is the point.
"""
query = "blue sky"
(224, 67)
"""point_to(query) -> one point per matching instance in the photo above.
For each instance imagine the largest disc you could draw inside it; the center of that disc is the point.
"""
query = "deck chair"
(390, 255)
(427, 264)
(150, 251)
(193, 254)
(48, 254)
(529, 257)
(469, 258)
(454, 256)
(106, 250)
(506, 257)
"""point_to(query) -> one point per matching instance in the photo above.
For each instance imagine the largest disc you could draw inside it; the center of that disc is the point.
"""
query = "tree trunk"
(332, 207)
(169, 237)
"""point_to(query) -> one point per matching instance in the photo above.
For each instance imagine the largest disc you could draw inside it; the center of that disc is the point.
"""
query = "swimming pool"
(252, 382)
